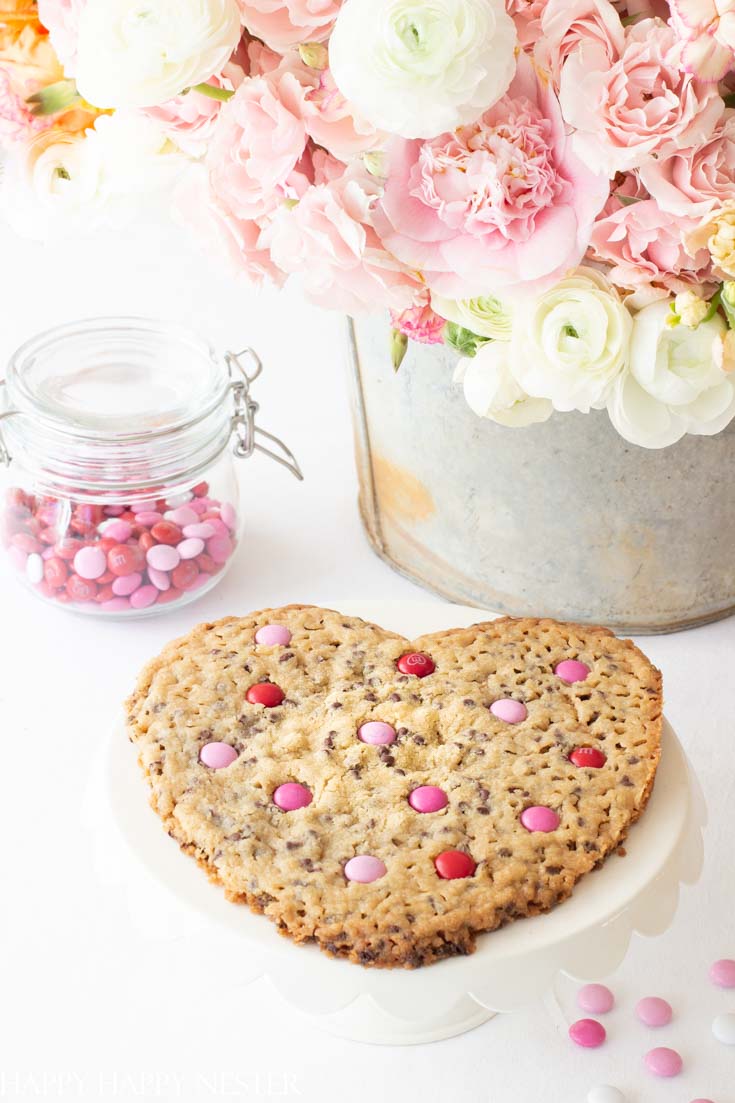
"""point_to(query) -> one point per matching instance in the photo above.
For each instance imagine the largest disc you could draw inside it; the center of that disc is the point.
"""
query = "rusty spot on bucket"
(400, 493)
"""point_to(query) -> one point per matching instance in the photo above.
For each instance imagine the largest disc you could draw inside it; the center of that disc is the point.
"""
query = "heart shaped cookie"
(391, 800)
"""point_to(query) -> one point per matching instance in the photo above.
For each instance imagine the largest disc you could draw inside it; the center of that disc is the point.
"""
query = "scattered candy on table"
(587, 1033)
(605, 1093)
(118, 558)
(723, 1029)
(654, 1011)
(595, 998)
(722, 973)
(663, 1062)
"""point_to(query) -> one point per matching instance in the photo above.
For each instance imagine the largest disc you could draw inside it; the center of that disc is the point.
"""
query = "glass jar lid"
(108, 405)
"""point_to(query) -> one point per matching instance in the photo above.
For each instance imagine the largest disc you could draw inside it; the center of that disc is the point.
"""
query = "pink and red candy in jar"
(119, 558)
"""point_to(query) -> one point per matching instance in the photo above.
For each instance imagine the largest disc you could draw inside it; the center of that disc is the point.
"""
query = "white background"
(91, 1007)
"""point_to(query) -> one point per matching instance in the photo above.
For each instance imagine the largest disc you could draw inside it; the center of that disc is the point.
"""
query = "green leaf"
(729, 99)
(398, 348)
(727, 302)
(54, 98)
(463, 340)
(628, 200)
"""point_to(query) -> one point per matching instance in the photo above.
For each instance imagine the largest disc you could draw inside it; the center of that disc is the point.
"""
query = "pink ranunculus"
(502, 202)
(707, 28)
(645, 247)
(258, 145)
(527, 16)
(419, 322)
(625, 110)
(61, 20)
(284, 23)
(691, 182)
(328, 241)
(566, 23)
(189, 120)
(236, 241)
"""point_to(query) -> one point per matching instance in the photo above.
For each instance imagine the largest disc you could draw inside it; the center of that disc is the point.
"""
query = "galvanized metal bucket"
(563, 519)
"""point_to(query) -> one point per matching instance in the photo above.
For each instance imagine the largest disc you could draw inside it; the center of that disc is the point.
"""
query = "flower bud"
(314, 54)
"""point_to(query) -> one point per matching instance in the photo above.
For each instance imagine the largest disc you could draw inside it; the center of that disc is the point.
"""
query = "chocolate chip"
(336, 704)
(505, 853)
(633, 760)
(286, 656)
(395, 697)
(468, 703)
(292, 845)
(625, 780)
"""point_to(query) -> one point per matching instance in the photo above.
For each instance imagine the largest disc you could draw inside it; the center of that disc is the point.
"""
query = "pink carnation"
(626, 109)
(419, 322)
(327, 239)
(645, 247)
(707, 28)
(567, 23)
(284, 23)
(693, 181)
(527, 18)
(16, 121)
(236, 241)
(61, 20)
(501, 202)
(259, 141)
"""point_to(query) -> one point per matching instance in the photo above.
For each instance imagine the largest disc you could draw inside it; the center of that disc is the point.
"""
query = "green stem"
(213, 93)
(714, 305)
(729, 99)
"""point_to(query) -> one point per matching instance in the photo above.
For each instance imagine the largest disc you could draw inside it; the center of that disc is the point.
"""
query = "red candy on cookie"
(590, 757)
(453, 864)
(266, 694)
(416, 663)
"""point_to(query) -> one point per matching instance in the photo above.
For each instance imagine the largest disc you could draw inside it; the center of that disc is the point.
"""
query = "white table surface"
(93, 1008)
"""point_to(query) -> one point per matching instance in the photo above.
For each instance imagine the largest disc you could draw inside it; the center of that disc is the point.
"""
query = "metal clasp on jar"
(245, 408)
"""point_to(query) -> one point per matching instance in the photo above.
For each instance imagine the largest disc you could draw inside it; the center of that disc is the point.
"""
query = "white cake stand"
(586, 937)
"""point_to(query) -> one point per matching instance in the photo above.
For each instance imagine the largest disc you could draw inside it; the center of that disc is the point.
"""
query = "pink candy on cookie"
(273, 635)
(539, 818)
(364, 869)
(428, 798)
(376, 732)
(513, 712)
(217, 755)
(292, 795)
(571, 670)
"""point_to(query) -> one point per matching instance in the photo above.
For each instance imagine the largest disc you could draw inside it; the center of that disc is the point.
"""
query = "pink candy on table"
(539, 818)
(595, 998)
(722, 973)
(653, 1011)
(587, 1033)
(663, 1062)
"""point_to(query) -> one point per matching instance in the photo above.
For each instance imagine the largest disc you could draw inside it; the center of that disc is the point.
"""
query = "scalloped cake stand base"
(587, 937)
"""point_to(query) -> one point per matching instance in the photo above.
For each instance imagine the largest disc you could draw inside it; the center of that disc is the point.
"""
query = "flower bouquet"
(548, 186)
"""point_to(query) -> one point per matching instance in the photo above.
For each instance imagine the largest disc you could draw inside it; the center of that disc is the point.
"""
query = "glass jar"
(123, 496)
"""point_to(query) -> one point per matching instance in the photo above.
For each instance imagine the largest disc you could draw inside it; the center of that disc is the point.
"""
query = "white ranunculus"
(138, 53)
(571, 343)
(419, 68)
(59, 185)
(485, 316)
(675, 384)
(492, 392)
